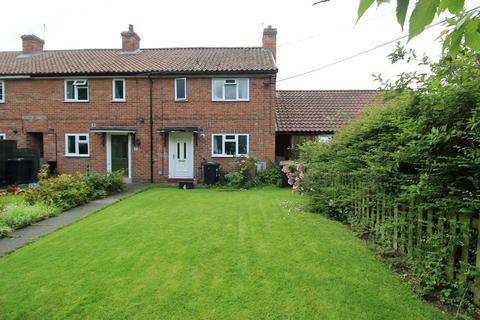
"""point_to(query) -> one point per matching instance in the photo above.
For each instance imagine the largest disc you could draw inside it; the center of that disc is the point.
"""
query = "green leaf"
(402, 8)
(422, 16)
(363, 7)
(472, 34)
(454, 6)
(453, 41)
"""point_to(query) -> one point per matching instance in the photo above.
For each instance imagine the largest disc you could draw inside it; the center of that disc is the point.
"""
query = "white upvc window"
(76, 90)
(230, 145)
(118, 90)
(322, 138)
(3, 136)
(77, 145)
(181, 89)
(230, 89)
(2, 91)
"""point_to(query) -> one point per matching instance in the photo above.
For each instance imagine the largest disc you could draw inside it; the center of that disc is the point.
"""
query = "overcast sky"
(308, 36)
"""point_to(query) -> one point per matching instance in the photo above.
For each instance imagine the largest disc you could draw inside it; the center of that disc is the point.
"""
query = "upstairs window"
(229, 145)
(3, 136)
(77, 145)
(76, 90)
(230, 90)
(118, 90)
(2, 91)
(180, 89)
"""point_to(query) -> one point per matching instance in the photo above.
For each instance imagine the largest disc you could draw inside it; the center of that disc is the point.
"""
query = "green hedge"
(423, 147)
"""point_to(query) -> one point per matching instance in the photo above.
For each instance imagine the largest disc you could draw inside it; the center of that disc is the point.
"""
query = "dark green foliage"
(271, 176)
(68, 191)
(102, 185)
(422, 148)
(65, 191)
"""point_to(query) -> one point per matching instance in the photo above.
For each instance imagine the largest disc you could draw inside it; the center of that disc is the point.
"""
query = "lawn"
(10, 199)
(203, 254)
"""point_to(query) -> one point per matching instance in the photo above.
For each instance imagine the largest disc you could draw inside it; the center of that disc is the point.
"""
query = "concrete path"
(21, 237)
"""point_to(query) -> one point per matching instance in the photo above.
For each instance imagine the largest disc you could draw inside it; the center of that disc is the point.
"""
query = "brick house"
(303, 115)
(157, 113)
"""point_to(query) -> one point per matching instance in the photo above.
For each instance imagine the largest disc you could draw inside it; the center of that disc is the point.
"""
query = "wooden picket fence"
(405, 224)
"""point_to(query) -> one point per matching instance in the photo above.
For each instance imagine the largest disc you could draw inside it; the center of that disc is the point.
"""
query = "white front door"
(180, 164)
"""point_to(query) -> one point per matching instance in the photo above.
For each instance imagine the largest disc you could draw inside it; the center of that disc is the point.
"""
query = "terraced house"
(156, 113)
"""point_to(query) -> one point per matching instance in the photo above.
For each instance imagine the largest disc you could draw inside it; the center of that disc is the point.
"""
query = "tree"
(462, 28)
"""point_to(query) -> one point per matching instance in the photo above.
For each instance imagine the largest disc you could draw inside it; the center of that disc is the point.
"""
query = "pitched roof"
(169, 60)
(319, 111)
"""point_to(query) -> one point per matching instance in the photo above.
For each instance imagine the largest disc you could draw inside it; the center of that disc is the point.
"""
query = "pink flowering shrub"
(294, 174)
(243, 174)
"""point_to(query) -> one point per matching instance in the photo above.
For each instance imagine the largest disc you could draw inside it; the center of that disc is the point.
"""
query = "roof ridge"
(330, 90)
(142, 49)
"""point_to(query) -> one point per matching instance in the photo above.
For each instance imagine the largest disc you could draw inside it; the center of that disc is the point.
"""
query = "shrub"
(65, 191)
(243, 174)
(270, 176)
(423, 149)
(233, 180)
(23, 214)
(102, 185)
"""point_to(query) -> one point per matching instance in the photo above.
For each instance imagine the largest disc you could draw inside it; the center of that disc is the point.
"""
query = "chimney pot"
(31, 44)
(270, 40)
(130, 40)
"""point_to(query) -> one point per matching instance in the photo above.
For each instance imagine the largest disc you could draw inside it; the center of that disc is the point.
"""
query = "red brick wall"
(37, 105)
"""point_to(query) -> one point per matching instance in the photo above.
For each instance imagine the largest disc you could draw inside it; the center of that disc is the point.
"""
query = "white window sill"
(77, 156)
(76, 101)
(227, 156)
(238, 100)
(181, 100)
(116, 101)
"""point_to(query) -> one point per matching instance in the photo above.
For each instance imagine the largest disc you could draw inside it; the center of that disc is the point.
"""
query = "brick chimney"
(270, 40)
(31, 44)
(130, 40)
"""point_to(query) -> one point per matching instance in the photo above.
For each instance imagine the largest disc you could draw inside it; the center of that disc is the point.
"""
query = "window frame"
(3, 136)
(324, 138)
(186, 89)
(223, 135)
(77, 154)
(75, 92)
(238, 89)
(2, 84)
(115, 99)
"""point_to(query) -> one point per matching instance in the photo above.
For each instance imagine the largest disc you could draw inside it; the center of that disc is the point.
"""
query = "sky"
(309, 37)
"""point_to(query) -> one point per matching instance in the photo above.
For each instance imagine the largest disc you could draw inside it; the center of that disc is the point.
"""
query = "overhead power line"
(360, 53)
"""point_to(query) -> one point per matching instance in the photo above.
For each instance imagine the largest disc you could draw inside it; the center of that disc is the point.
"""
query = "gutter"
(151, 126)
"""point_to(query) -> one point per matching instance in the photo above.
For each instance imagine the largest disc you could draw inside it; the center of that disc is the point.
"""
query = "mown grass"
(10, 199)
(203, 254)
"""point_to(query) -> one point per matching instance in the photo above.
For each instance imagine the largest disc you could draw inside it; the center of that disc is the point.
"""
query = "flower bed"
(53, 195)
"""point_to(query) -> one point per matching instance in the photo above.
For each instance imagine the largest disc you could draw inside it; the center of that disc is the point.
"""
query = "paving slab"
(23, 236)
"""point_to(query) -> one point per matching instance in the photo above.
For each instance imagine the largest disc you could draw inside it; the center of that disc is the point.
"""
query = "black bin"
(20, 170)
(211, 173)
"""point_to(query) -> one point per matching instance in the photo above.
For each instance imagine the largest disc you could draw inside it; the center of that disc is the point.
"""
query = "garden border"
(26, 235)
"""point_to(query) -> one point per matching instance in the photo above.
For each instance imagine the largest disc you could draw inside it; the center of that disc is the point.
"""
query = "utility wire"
(361, 53)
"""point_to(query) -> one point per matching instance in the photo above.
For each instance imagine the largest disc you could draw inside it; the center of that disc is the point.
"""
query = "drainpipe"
(151, 126)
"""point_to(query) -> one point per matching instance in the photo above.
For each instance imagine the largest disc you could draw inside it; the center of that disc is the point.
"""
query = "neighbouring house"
(303, 115)
(156, 113)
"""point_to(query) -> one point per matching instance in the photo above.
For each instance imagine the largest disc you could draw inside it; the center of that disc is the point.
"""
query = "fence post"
(476, 284)
(452, 223)
(465, 223)
(395, 226)
(410, 218)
